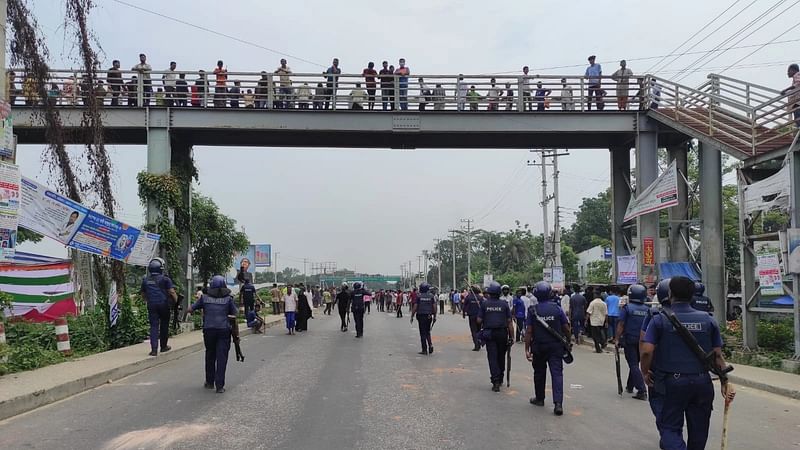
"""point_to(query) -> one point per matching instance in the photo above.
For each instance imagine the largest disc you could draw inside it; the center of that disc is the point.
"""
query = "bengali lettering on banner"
(48, 213)
(649, 252)
(663, 193)
(6, 131)
(262, 255)
(9, 208)
(769, 274)
(627, 270)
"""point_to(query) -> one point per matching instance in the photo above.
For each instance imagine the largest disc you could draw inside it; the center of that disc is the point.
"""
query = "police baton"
(508, 369)
(619, 375)
(725, 424)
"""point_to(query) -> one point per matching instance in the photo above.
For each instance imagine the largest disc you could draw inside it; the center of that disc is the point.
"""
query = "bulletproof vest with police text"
(153, 289)
(550, 313)
(673, 355)
(249, 293)
(358, 299)
(215, 312)
(495, 313)
(702, 303)
(635, 314)
(425, 303)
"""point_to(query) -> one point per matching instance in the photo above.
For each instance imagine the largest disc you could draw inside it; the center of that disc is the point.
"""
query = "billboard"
(262, 255)
(663, 193)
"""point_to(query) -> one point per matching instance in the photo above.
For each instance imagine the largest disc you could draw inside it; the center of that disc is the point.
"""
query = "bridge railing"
(268, 90)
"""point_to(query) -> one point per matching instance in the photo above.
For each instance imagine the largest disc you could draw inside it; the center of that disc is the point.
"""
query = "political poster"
(663, 193)
(770, 193)
(793, 249)
(262, 255)
(243, 266)
(9, 209)
(558, 277)
(44, 211)
(769, 274)
(627, 270)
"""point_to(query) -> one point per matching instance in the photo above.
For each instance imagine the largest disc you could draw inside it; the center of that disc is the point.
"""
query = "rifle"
(619, 377)
(176, 307)
(236, 339)
(568, 358)
(433, 321)
(708, 360)
(508, 368)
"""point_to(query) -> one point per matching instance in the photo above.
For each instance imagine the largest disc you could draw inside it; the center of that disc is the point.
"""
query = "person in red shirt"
(369, 75)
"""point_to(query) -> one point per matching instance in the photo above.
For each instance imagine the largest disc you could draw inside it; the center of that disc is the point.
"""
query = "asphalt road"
(326, 390)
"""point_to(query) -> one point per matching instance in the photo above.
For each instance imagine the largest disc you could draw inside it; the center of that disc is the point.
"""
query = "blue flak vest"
(155, 293)
(550, 313)
(216, 312)
(635, 314)
(672, 353)
(249, 293)
(358, 299)
(425, 303)
(472, 304)
(495, 313)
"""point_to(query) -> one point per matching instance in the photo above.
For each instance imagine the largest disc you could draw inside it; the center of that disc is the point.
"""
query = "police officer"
(248, 295)
(158, 291)
(471, 308)
(218, 307)
(425, 311)
(543, 349)
(699, 301)
(343, 302)
(673, 369)
(358, 307)
(494, 316)
(506, 295)
(629, 327)
(655, 399)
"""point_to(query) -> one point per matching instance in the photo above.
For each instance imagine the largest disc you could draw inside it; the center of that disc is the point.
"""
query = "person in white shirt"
(461, 93)
(506, 296)
(303, 96)
(290, 308)
(168, 79)
(357, 97)
(144, 70)
(622, 77)
(567, 102)
(598, 319)
(565, 302)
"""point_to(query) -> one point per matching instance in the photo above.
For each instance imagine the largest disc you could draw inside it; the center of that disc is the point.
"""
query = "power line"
(699, 30)
(209, 30)
(759, 49)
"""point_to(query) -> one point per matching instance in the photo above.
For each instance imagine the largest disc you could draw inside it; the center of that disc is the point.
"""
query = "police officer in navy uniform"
(471, 308)
(158, 291)
(629, 327)
(425, 311)
(699, 301)
(494, 316)
(218, 307)
(655, 399)
(671, 367)
(543, 349)
(343, 302)
(358, 307)
(248, 294)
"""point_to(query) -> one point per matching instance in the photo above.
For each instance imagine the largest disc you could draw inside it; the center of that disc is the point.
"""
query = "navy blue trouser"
(656, 405)
(474, 328)
(158, 315)
(358, 318)
(496, 349)
(635, 378)
(691, 396)
(545, 355)
(218, 345)
(424, 322)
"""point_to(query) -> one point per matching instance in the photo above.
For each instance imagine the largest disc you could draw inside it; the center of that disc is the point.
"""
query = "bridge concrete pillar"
(620, 197)
(159, 155)
(712, 251)
(647, 248)
(183, 166)
(679, 214)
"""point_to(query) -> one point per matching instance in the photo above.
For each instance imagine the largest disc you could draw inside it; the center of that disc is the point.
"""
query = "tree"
(599, 272)
(592, 226)
(214, 238)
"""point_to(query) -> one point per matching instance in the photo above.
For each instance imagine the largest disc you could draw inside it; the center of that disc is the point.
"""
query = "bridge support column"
(679, 214)
(159, 154)
(620, 197)
(648, 224)
(712, 250)
(183, 167)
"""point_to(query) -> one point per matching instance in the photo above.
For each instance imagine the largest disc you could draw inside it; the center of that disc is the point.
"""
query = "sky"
(374, 209)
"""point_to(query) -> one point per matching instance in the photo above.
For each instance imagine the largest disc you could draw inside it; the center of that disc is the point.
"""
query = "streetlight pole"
(438, 261)
(453, 241)
(275, 268)
(469, 249)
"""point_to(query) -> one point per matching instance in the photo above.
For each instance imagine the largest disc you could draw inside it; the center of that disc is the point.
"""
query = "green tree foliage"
(599, 272)
(215, 238)
(592, 225)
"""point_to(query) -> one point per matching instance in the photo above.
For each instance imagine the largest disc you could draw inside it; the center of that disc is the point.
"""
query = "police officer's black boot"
(536, 401)
(558, 410)
(208, 385)
(641, 395)
(495, 387)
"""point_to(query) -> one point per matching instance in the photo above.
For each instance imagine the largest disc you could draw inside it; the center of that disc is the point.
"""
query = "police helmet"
(699, 288)
(424, 288)
(344, 286)
(505, 288)
(217, 282)
(357, 285)
(542, 291)
(637, 293)
(662, 291)
(156, 266)
(493, 288)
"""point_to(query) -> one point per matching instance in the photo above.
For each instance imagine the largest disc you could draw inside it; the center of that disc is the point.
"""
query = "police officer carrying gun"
(494, 315)
(425, 311)
(343, 302)
(547, 331)
(218, 319)
(629, 326)
(358, 307)
(699, 301)
(679, 349)
(472, 305)
(655, 399)
(158, 291)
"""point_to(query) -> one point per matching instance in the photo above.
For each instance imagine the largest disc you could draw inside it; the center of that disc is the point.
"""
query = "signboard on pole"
(627, 270)
(558, 277)
(6, 131)
(262, 255)
(9, 208)
(547, 274)
(487, 279)
(663, 193)
(793, 249)
(648, 252)
(769, 274)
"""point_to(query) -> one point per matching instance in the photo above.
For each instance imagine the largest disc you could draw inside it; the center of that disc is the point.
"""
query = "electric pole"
(419, 268)
(552, 245)
(469, 249)
(556, 213)
(305, 278)
(275, 267)
(453, 241)
(437, 243)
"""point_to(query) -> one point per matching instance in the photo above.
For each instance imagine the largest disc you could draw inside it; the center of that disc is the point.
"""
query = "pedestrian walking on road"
(519, 309)
(629, 327)
(472, 306)
(158, 292)
(327, 297)
(598, 319)
(276, 298)
(424, 308)
(343, 301)
(303, 310)
(543, 349)
(577, 314)
(672, 367)
(494, 316)
(442, 300)
(290, 309)
(398, 301)
(357, 306)
(218, 310)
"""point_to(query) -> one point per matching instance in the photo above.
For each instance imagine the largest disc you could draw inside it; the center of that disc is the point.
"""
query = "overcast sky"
(375, 209)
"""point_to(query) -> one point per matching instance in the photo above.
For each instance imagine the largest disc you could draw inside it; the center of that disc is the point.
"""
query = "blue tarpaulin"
(675, 269)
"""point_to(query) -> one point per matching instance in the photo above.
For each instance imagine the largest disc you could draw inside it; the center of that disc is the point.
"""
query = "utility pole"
(556, 213)
(437, 243)
(453, 241)
(552, 245)
(489, 269)
(419, 268)
(275, 267)
(305, 278)
(469, 249)
(425, 254)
